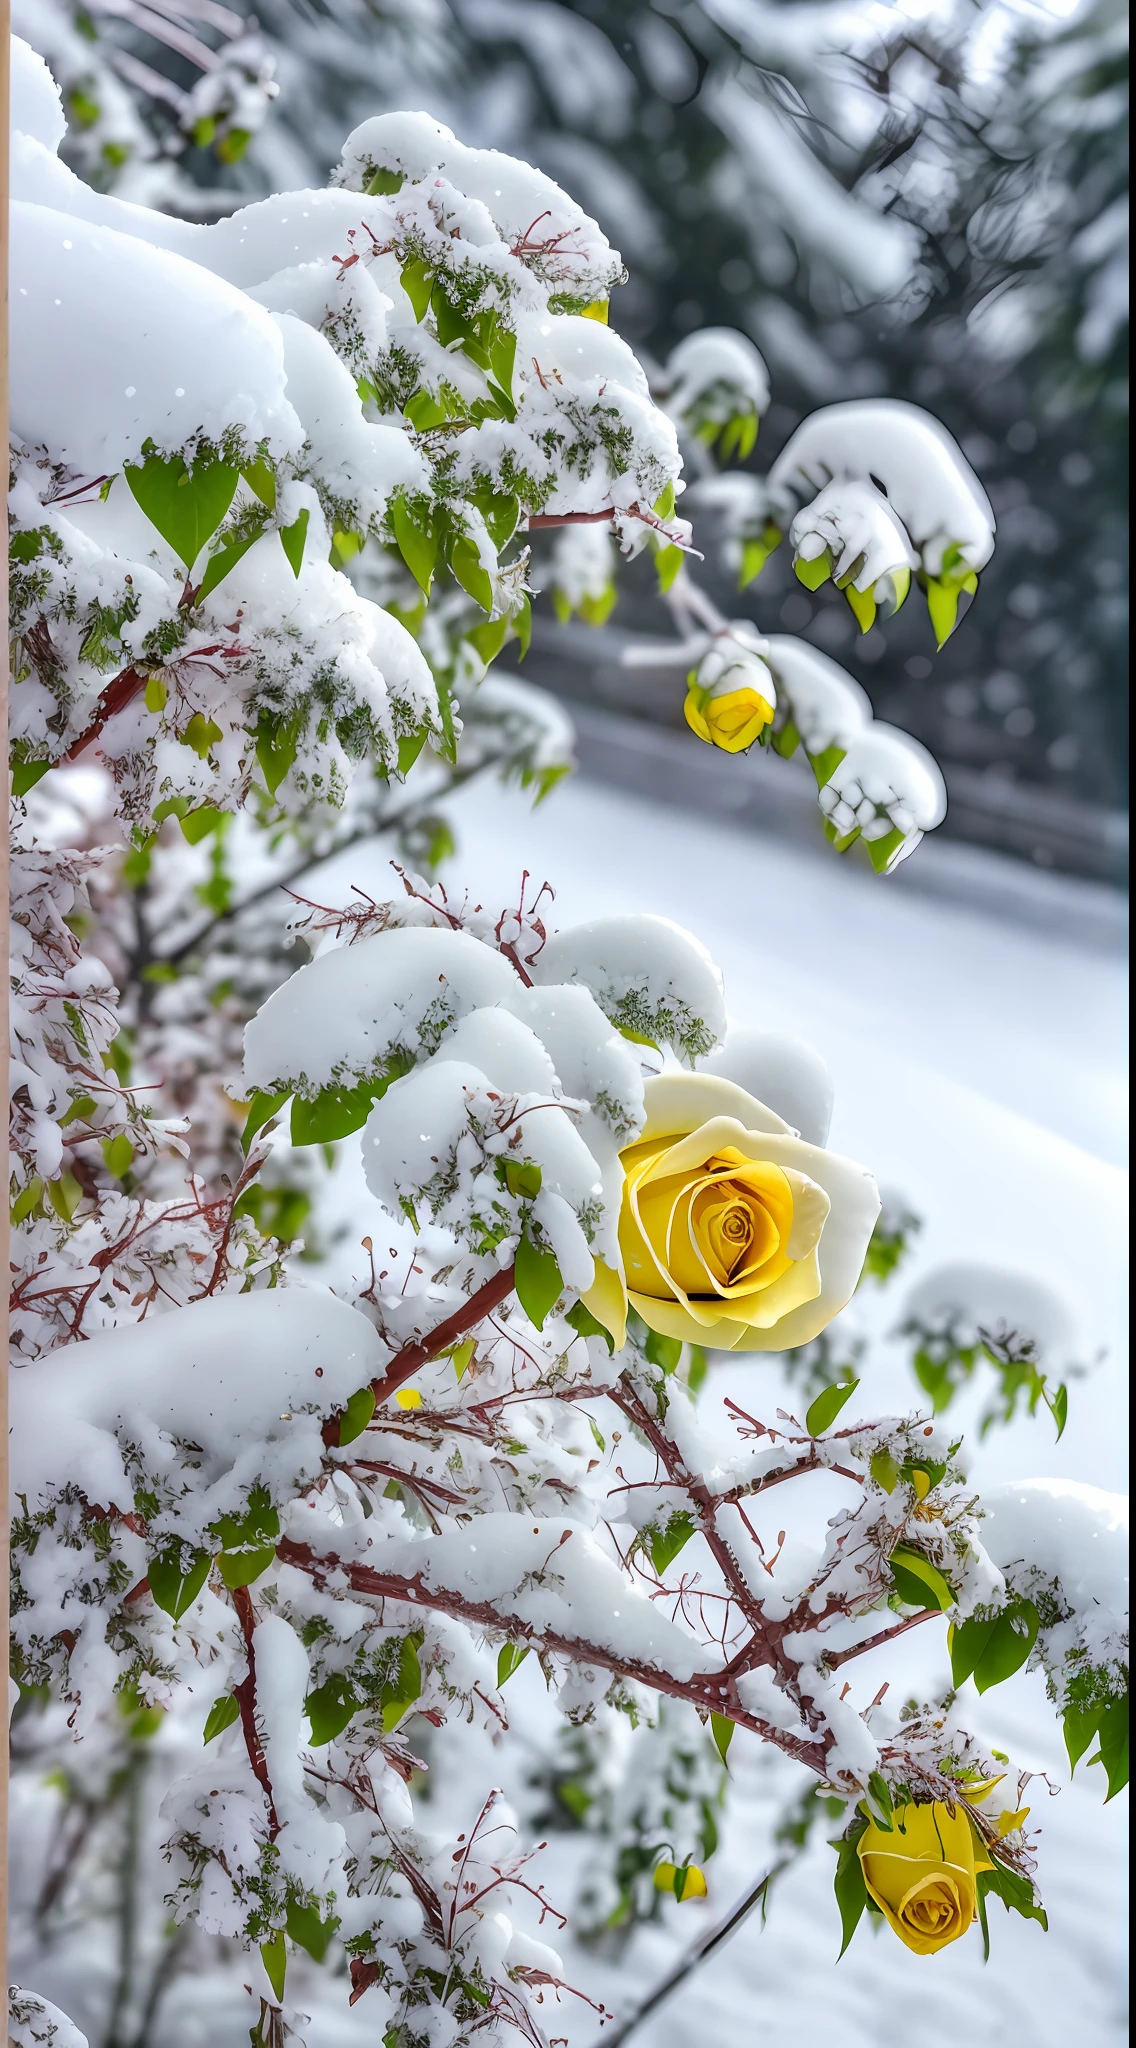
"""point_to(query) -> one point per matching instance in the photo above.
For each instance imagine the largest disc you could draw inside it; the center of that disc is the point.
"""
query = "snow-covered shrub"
(275, 1528)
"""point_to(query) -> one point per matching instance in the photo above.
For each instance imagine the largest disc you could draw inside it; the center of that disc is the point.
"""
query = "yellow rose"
(734, 1233)
(730, 714)
(922, 1875)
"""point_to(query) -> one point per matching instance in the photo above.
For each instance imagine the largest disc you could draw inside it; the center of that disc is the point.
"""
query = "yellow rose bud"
(734, 1232)
(684, 1883)
(731, 715)
(922, 1875)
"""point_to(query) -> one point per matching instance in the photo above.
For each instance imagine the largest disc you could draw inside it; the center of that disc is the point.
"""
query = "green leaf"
(274, 1956)
(221, 1715)
(1080, 1725)
(509, 1659)
(384, 181)
(500, 510)
(466, 564)
(522, 625)
(880, 851)
(990, 1650)
(25, 775)
(248, 1541)
(1113, 1753)
(424, 411)
(1058, 1406)
(1016, 1893)
(756, 552)
(409, 748)
(586, 1324)
(202, 734)
(417, 542)
(277, 743)
(118, 1153)
(884, 1471)
(330, 1707)
(665, 1544)
(538, 1280)
(219, 565)
(488, 639)
(261, 480)
(827, 1406)
(260, 1109)
(665, 1352)
(668, 562)
(723, 1732)
(460, 1356)
(293, 539)
(175, 1589)
(918, 1581)
(186, 506)
(825, 764)
(813, 574)
(197, 825)
(523, 1177)
(851, 1891)
(335, 1112)
(881, 1793)
(308, 1931)
(399, 1697)
(356, 1416)
(664, 504)
(418, 283)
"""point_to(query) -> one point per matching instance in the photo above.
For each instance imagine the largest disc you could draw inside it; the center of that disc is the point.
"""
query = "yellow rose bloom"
(730, 718)
(922, 1876)
(734, 1233)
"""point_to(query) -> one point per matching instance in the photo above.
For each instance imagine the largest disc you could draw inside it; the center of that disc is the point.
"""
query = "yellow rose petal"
(408, 1397)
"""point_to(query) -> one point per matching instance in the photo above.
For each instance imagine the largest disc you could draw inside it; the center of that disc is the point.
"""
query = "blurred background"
(925, 200)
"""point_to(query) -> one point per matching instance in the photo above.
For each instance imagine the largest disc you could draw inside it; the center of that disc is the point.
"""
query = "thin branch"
(885, 1635)
(696, 1957)
(413, 1357)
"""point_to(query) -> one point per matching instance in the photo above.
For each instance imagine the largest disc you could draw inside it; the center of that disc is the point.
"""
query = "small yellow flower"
(684, 1881)
(408, 1397)
(730, 718)
(922, 1875)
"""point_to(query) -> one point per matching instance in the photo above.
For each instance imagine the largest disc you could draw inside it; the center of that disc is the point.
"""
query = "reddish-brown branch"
(120, 692)
(413, 1357)
(570, 518)
(246, 1701)
(885, 1635)
(712, 1691)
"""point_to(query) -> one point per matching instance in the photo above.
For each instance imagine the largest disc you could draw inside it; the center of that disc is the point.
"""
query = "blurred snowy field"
(979, 1069)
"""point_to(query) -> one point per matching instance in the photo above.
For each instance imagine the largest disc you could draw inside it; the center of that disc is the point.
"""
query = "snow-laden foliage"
(279, 1528)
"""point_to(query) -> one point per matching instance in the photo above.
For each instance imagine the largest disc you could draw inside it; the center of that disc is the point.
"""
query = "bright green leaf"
(274, 1956)
(308, 1931)
(538, 1280)
(884, 1471)
(330, 1707)
(723, 1732)
(918, 1581)
(827, 1406)
(992, 1648)
(356, 1416)
(417, 542)
(466, 564)
(221, 1715)
(260, 1109)
(186, 506)
(851, 1891)
(509, 1659)
(812, 574)
(293, 539)
(118, 1153)
(175, 1587)
(586, 1324)
(665, 1544)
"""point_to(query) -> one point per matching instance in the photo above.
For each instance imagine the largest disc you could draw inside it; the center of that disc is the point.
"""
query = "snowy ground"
(979, 1070)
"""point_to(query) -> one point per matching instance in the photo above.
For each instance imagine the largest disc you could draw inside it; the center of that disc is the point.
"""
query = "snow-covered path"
(979, 1070)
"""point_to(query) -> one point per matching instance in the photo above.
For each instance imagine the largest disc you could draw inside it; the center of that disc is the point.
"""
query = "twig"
(692, 1962)
(246, 1700)
(412, 1357)
(885, 1635)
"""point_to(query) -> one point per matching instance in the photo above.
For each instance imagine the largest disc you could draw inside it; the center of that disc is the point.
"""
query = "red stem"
(246, 1700)
(120, 692)
(570, 518)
